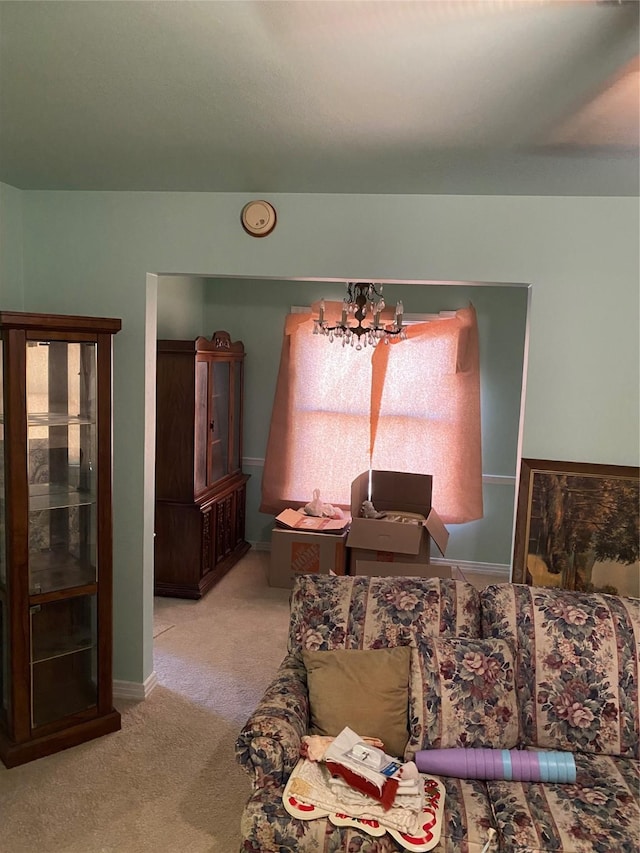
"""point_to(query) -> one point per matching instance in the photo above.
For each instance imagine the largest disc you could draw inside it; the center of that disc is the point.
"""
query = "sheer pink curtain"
(411, 406)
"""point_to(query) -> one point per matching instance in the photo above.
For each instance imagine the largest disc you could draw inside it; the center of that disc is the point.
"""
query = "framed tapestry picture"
(577, 527)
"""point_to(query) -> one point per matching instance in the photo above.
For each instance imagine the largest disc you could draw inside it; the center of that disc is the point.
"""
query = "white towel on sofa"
(309, 782)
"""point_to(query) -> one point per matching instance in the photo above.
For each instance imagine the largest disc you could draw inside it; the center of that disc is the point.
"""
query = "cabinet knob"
(211, 425)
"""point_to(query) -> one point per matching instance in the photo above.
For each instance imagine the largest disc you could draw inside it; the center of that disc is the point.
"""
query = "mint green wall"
(89, 252)
(253, 311)
(10, 248)
(181, 302)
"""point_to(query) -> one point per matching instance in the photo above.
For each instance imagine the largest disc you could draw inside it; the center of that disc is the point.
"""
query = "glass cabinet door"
(61, 449)
(4, 626)
(3, 553)
(236, 461)
(64, 658)
(219, 423)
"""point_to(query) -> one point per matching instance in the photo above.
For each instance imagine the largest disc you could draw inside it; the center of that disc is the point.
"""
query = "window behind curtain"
(410, 406)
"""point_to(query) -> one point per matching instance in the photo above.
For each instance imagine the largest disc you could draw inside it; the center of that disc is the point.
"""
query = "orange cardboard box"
(296, 552)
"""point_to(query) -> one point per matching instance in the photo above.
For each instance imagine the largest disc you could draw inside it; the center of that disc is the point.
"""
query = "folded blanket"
(310, 782)
(385, 795)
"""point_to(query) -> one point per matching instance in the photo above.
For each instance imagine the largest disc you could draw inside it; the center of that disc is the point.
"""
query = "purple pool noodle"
(516, 764)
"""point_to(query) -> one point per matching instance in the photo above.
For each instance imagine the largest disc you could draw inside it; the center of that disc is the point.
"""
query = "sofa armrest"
(268, 747)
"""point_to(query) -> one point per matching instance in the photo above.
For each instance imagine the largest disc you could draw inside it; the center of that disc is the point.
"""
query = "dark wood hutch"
(200, 486)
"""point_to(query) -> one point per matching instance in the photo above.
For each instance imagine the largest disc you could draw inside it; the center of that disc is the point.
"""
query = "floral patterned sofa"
(574, 680)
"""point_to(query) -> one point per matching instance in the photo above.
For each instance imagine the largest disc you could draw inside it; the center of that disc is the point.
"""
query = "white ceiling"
(442, 96)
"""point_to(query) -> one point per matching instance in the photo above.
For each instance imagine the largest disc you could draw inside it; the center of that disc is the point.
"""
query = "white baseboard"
(468, 567)
(133, 689)
(252, 462)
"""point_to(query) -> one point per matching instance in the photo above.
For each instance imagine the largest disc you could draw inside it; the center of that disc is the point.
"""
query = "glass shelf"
(46, 496)
(58, 569)
(51, 419)
(61, 647)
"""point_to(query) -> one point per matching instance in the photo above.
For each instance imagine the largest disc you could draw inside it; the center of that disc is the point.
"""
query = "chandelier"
(363, 300)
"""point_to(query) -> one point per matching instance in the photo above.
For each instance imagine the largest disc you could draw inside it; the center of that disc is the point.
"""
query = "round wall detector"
(258, 218)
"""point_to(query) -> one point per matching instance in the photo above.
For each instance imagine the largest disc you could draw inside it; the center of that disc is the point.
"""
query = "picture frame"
(577, 527)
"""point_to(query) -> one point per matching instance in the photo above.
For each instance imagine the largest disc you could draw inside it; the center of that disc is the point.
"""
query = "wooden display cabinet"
(200, 487)
(55, 533)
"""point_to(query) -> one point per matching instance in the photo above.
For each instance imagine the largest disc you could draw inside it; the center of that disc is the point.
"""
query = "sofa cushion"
(462, 693)
(365, 689)
(577, 665)
(358, 612)
(599, 814)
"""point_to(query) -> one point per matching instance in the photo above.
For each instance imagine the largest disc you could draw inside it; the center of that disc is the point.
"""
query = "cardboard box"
(293, 519)
(380, 540)
(296, 552)
(397, 570)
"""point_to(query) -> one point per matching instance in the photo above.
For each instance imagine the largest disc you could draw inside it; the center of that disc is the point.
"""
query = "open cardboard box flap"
(437, 531)
(295, 520)
(392, 490)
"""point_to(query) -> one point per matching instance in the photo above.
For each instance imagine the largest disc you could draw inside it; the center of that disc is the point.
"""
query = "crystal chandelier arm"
(361, 297)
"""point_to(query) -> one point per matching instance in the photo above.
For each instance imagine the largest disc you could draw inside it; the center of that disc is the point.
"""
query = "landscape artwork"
(578, 527)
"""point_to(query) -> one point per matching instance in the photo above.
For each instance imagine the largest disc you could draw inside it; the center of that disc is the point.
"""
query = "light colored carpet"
(168, 782)
(159, 627)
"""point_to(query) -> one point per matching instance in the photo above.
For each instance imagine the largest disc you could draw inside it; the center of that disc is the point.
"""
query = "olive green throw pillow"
(365, 689)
